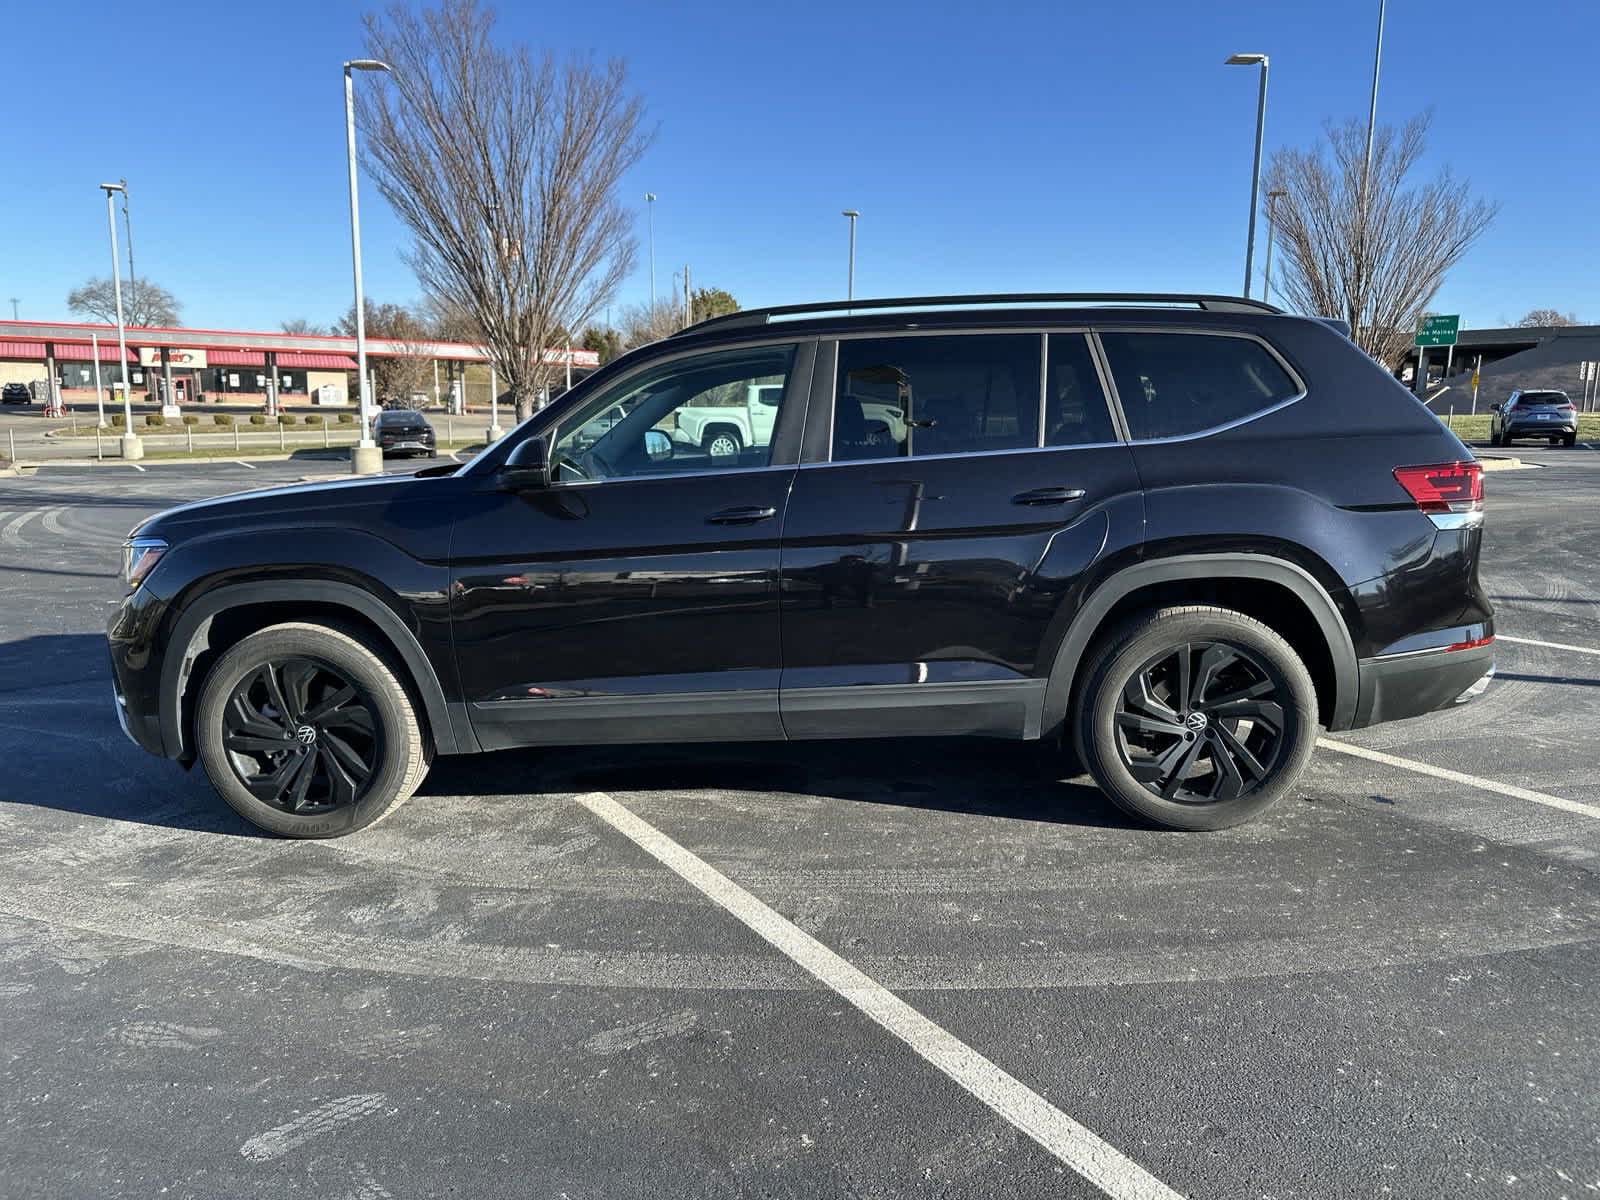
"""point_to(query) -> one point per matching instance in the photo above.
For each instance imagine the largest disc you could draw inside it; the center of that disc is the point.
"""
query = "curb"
(1497, 462)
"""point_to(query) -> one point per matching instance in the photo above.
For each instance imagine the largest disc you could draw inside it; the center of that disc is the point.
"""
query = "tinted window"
(1075, 411)
(1172, 384)
(710, 412)
(1540, 399)
(936, 395)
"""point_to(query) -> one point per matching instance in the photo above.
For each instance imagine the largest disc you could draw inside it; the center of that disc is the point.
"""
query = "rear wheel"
(306, 731)
(1570, 440)
(1195, 718)
(721, 443)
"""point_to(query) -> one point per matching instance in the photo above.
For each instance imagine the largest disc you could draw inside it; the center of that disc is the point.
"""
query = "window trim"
(827, 390)
(798, 384)
(1111, 383)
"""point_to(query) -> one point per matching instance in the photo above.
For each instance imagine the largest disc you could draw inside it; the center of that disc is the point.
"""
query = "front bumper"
(1408, 685)
(135, 671)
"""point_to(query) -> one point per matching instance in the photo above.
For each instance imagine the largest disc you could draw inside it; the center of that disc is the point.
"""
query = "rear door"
(966, 486)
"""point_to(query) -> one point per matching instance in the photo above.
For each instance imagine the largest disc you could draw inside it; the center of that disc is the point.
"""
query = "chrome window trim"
(1272, 350)
(861, 462)
(699, 352)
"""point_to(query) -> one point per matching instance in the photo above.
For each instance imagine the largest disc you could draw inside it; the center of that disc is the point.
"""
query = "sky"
(1066, 146)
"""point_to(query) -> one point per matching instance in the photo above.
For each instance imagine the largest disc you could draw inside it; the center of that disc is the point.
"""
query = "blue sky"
(993, 147)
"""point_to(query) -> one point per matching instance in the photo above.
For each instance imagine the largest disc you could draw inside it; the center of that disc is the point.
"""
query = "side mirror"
(527, 467)
(657, 446)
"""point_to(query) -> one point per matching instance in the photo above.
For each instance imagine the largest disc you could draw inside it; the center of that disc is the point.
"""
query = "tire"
(1117, 743)
(724, 435)
(1570, 440)
(320, 663)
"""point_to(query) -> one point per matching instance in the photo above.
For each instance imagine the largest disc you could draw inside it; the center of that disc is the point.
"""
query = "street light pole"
(132, 447)
(850, 287)
(127, 225)
(650, 218)
(14, 303)
(1250, 60)
(366, 458)
(1272, 209)
(1372, 110)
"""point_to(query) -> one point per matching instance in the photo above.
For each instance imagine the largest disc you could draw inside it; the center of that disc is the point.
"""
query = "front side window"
(1174, 384)
(711, 412)
(904, 396)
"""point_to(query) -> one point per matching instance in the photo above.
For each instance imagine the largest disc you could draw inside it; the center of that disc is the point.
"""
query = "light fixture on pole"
(132, 447)
(650, 219)
(1251, 60)
(366, 458)
(850, 286)
(1272, 209)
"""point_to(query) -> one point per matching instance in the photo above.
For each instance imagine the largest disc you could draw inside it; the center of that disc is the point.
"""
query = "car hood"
(339, 502)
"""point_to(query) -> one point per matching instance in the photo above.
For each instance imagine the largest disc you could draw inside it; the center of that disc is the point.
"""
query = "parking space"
(850, 969)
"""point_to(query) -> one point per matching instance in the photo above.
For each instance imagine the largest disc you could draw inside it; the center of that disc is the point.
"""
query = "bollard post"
(236, 439)
(283, 445)
(12, 434)
(325, 442)
(189, 432)
(98, 455)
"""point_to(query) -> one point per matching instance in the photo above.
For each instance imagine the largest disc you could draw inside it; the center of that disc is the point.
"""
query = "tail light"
(1566, 408)
(1450, 493)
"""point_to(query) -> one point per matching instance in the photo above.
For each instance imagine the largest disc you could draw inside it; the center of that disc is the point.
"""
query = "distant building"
(1541, 356)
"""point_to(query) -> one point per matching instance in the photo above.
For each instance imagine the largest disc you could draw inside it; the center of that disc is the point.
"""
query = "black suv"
(404, 431)
(16, 393)
(1176, 533)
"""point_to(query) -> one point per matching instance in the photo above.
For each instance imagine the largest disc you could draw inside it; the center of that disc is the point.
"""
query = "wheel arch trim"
(190, 637)
(1265, 568)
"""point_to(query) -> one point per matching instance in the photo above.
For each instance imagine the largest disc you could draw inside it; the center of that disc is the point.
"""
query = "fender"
(1058, 692)
(190, 638)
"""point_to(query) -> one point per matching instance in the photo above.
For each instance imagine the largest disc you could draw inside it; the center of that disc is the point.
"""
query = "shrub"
(347, 418)
(190, 419)
(119, 420)
(258, 418)
(313, 418)
(154, 419)
(223, 419)
(285, 418)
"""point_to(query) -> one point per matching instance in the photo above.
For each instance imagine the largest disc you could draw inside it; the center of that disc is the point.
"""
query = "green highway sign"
(1438, 331)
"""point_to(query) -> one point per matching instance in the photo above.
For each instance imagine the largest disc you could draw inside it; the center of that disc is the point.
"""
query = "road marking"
(1101, 1163)
(244, 464)
(137, 467)
(1488, 785)
(1500, 637)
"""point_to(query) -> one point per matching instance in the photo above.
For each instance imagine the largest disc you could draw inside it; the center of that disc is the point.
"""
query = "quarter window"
(905, 396)
(1173, 384)
(711, 412)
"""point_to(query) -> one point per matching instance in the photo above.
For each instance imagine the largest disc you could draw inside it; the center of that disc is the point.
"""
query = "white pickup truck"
(729, 429)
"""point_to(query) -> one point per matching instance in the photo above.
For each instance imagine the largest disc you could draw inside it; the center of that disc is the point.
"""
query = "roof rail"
(763, 316)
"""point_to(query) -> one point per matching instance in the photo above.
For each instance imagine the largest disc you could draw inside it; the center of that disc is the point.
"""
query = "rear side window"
(1173, 384)
(912, 396)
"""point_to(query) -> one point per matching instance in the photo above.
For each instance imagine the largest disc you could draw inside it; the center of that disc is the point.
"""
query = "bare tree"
(505, 166)
(395, 376)
(301, 325)
(1546, 317)
(143, 303)
(644, 323)
(1376, 261)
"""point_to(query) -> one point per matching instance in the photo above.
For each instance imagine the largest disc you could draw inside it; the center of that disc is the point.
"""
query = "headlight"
(139, 556)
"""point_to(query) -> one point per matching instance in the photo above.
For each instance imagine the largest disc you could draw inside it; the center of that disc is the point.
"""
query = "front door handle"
(741, 516)
(1048, 495)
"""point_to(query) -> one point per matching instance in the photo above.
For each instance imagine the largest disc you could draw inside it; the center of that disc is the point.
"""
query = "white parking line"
(1474, 781)
(1101, 1163)
(1500, 637)
(242, 463)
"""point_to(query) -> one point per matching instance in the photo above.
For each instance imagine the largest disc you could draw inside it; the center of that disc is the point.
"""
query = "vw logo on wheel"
(305, 734)
(1196, 721)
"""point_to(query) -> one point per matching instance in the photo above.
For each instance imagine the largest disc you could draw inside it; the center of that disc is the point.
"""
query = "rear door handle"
(1048, 495)
(741, 516)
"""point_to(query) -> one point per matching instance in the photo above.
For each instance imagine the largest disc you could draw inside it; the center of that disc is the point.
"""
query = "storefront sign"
(150, 356)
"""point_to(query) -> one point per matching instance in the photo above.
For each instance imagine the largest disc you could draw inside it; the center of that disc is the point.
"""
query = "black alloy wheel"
(1200, 722)
(301, 737)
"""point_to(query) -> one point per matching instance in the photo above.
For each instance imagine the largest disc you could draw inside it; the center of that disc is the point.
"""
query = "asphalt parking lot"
(1390, 986)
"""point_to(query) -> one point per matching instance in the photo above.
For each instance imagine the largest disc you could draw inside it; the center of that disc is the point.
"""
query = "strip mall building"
(220, 366)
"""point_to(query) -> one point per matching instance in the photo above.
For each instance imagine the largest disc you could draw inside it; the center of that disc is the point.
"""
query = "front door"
(963, 504)
(635, 598)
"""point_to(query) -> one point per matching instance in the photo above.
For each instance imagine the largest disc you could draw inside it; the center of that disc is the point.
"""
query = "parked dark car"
(1175, 533)
(16, 393)
(403, 431)
(1548, 415)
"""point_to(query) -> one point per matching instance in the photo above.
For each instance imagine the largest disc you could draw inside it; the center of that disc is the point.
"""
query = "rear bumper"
(1542, 429)
(1409, 685)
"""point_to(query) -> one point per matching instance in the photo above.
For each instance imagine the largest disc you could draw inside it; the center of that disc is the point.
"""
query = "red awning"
(236, 358)
(33, 350)
(83, 352)
(317, 362)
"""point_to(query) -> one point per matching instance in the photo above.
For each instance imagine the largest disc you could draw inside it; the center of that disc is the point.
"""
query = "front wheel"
(723, 443)
(307, 732)
(1195, 718)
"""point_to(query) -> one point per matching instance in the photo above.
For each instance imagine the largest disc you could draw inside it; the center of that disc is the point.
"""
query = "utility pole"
(1372, 109)
(132, 445)
(127, 225)
(366, 458)
(14, 303)
(688, 310)
(650, 217)
(1272, 209)
(850, 284)
(1251, 60)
